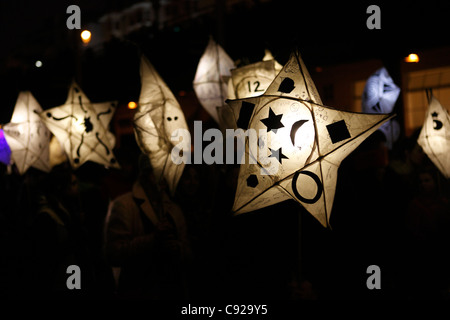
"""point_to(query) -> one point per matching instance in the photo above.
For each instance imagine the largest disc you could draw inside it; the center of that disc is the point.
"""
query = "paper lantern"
(211, 78)
(57, 153)
(301, 146)
(248, 81)
(156, 120)
(5, 151)
(379, 96)
(27, 136)
(434, 138)
(82, 128)
(253, 79)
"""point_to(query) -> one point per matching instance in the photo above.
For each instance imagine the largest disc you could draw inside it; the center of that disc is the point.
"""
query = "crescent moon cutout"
(437, 124)
(295, 128)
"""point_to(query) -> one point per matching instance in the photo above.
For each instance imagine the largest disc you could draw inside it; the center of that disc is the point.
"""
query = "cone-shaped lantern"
(157, 119)
(211, 78)
(434, 138)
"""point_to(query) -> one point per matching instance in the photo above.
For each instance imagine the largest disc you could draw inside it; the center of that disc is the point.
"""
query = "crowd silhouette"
(133, 239)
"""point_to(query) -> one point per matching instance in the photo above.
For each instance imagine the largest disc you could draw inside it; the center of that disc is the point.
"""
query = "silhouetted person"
(57, 237)
(428, 225)
(146, 240)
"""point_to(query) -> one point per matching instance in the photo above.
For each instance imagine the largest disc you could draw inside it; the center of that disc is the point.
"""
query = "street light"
(86, 36)
(412, 57)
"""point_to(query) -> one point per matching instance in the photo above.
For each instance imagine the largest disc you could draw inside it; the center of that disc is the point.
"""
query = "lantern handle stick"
(429, 93)
(299, 267)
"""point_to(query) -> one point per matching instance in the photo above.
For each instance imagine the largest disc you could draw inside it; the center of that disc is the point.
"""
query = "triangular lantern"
(434, 138)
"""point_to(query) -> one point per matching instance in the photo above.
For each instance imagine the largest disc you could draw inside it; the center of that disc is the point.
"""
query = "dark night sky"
(325, 33)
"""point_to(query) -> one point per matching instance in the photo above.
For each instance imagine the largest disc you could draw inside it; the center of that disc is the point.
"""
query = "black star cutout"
(434, 114)
(273, 122)
(278, 154)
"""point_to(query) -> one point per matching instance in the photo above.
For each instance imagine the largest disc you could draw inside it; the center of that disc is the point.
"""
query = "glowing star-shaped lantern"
(434, 138)
(156, 121)
(300, 144)
(81, 127)
(379, 96)
(5, 151)
(211, 79)
(27, 136)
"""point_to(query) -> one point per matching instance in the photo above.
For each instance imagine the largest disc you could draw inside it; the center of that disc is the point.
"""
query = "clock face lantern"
(249, 81)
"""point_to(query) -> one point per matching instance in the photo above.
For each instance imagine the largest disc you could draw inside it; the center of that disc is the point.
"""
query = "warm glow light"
(83, 131)
(132, 105)
(412, 58)
(303, 142)
(86, 36)
(38, 64)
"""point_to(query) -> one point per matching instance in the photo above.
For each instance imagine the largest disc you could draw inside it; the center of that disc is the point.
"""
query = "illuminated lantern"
(379, 96)
(5, 151)
(300, 144)
(434, 138)
(81, 127)
(249, 81)
(57, 154)
(211, 78)
(253, 79)
(156, 121)
(27, 137)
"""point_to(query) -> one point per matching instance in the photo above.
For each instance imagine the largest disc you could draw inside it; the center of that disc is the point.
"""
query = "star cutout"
(434, 114)
(277, 154)
(273, 122)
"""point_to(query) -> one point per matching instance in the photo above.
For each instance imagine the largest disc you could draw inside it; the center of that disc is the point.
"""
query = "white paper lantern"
(211, 78)
(248, 81)
(82, 128)
(156, 120)
(27, 136)
(302, 145)
(434, 138)
(252, 80)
